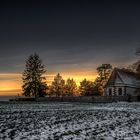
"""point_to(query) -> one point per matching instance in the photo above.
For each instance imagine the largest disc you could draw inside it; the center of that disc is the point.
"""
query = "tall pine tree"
(33, 79)
(104, 72)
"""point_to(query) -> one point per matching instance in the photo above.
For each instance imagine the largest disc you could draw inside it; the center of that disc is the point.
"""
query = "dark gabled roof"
(126, 76)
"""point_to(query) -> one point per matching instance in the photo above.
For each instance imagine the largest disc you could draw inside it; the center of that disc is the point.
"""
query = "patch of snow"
(70, 121)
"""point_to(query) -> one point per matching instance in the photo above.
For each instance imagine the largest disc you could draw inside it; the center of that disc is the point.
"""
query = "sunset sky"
(71, 38)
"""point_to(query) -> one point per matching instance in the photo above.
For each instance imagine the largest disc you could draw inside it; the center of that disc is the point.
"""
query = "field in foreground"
(56, 121)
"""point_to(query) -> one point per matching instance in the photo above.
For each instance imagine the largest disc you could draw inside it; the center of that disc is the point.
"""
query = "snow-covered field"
(68, 121)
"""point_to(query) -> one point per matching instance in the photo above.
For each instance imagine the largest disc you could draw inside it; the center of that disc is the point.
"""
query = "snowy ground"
(64, 121)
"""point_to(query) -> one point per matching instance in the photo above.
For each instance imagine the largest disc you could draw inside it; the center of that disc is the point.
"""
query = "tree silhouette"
(104, 72)
(138, 62)
(70, 87)
(58, 85)
(33, 79)
(86, 87)
(138, 51)
(135, 67)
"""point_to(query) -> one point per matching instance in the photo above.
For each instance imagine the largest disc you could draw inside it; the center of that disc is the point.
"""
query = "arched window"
(120, 91)
(110, 91)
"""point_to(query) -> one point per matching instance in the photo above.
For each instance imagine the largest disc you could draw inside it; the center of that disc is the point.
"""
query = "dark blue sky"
(69, 36)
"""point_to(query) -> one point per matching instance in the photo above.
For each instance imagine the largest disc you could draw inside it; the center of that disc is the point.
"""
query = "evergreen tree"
(33, 79)
(57, 87)
(86, 87)
(70, 87)
(104, 72)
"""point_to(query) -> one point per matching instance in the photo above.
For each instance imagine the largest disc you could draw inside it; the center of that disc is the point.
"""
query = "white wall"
(129, 91)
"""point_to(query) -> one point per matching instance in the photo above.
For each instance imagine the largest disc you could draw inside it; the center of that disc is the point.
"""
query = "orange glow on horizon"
(10, 83)
(78, 78)
(10, 92)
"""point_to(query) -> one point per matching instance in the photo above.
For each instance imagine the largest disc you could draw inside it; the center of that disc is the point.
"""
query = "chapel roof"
(125, 76)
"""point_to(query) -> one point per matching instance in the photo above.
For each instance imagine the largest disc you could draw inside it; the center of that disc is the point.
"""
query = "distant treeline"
(34, 82)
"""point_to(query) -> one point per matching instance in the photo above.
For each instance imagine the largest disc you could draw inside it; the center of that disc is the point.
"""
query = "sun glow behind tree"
(10, 83)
